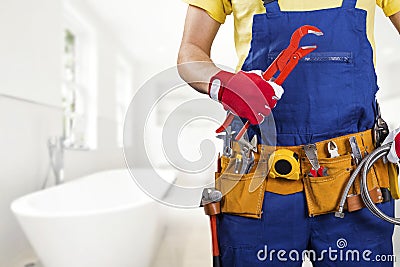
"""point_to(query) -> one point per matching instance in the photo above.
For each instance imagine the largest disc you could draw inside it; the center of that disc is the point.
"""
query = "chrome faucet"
(56, 149)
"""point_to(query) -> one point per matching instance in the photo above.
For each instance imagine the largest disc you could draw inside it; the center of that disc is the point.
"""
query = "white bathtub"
(101, 220)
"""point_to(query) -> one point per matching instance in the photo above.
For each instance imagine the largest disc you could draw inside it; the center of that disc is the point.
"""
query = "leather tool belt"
(244, 193)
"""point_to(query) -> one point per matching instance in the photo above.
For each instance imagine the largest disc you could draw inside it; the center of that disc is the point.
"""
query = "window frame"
(86, 77)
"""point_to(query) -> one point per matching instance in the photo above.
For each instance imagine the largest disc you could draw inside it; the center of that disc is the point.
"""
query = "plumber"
(326, 119)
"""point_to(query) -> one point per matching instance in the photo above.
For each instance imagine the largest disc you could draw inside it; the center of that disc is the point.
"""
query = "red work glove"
(394, 153)
(246, 94)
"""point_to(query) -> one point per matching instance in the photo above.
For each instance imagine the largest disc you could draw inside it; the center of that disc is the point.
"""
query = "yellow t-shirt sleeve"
(389, 7)
(217, 9)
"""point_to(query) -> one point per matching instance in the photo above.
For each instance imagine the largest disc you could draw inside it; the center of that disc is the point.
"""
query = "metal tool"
(246, 152)
(252, 145)
(362, 171)
(311, 153)
(227, 138)
(284, 164)
(284, 63)
(238, 163)
(355, 149)
(210, 200)
(210, 195)
(381, 129)
(248, 162)
(333, 149)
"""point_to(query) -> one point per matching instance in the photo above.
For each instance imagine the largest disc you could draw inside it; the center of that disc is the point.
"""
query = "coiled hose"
(364, 167)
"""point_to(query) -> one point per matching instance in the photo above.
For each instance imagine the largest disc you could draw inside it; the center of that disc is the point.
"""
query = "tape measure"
(284, 164)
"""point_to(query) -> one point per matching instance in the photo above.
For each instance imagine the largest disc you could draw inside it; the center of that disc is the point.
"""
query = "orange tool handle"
(214, 236)
(214, 239)
(228, 120)
(242, 131)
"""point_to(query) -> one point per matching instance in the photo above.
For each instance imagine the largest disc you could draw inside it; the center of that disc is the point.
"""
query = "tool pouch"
(243, 194)
(323, 193)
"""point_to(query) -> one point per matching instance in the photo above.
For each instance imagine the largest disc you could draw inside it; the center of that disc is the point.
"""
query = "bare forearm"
(194, 63)
(196, 67)
(396, 21)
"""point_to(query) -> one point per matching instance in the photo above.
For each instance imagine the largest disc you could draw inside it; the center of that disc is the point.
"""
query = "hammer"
(210, 201)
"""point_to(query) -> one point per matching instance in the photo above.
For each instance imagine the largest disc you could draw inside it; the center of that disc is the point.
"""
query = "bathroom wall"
(31, 36)
(388, 66)
(30, 69)
(30, 108)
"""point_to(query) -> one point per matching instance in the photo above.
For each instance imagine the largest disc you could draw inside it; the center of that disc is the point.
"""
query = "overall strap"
(272, 6)
(349, 4)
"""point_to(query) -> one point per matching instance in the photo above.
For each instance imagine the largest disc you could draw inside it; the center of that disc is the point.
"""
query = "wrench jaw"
(288, 58)
(227, 138)
(305, 50)
(315, 32)
(247, 150)
(247, 164)
(301, 32)
(246, 145)
(242, 162)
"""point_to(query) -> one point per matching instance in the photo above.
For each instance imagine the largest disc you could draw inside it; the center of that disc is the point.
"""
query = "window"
(123, 84)
(70, 94)
(79, 89)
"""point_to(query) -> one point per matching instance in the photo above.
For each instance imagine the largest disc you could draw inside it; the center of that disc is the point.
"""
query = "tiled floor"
(186, 242)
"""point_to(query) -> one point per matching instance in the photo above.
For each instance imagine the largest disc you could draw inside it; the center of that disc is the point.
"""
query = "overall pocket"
(329, 57)
(320, 97)
(321, 57)
(323, 193)
(243, 194)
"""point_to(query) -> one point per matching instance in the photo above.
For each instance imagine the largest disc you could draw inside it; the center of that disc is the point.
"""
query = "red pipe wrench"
(285, 62)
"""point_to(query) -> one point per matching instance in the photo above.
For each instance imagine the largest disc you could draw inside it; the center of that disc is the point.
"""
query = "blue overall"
(330, 93)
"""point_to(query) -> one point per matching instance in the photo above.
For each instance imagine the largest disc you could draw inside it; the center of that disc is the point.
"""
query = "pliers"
(284, 63)
(316, 169)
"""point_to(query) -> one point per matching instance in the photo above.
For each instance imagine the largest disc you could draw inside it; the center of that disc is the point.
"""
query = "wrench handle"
(228, 120)
(273, 68)
(242, 131)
